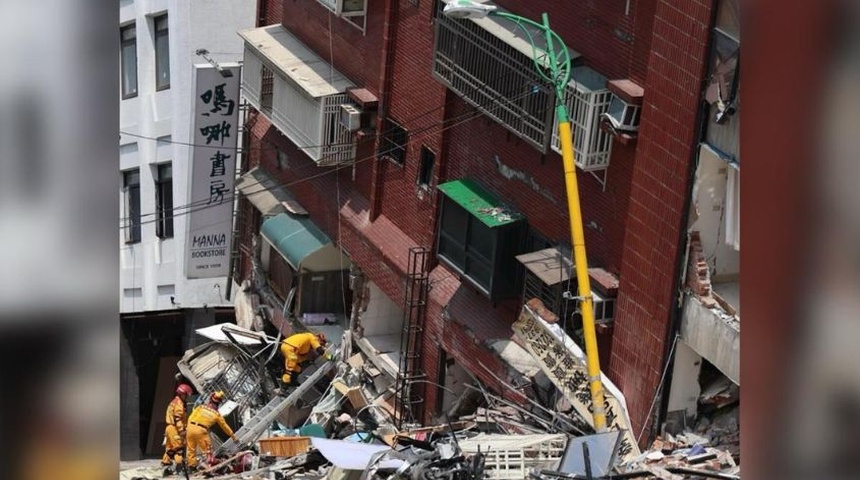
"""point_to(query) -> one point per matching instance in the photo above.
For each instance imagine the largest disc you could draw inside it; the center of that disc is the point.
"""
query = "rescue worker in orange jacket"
(174, 433)
(199, 424)
(296, 350)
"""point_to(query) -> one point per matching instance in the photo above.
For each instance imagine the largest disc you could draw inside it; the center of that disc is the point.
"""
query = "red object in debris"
(243, 463)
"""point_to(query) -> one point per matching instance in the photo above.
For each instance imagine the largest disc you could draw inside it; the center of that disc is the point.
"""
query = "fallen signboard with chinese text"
(570, 374)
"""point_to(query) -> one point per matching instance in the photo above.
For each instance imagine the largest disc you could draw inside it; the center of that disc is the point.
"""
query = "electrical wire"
(414, 132)
(374, 135)
(414, 137)
(203, 204)
(338, 167)
(659, 387)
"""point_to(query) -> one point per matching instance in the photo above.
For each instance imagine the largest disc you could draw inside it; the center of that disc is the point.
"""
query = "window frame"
(466, 254)
(160, 35)
(124, 43)
(282, 159)
(164, 213)
(131, 198)
(427, 163)
(393, 143)
(267, 89)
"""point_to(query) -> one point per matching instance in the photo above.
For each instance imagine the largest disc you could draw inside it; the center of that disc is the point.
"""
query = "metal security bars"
(494, 77)
(586, 98)
(298, 92)
(338, 146)
(500, 80)
(298, 115)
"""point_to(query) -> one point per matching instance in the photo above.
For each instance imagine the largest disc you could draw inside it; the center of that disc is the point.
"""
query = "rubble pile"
(719, 420)
(340, 423)
(684, 456)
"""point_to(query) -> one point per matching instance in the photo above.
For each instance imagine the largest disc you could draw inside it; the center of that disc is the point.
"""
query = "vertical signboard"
(214, 136)
(570, 375)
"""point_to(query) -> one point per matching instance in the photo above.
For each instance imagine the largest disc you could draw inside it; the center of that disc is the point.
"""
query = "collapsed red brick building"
(399, 162)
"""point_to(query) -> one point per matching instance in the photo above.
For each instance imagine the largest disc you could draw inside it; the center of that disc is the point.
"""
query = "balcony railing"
(298, 92)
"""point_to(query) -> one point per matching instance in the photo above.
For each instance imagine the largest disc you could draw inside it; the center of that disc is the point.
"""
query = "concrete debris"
(683, 456)
(499, 213)
(341, 423)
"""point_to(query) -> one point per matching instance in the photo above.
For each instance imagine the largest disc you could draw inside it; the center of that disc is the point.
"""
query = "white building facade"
(160, 42)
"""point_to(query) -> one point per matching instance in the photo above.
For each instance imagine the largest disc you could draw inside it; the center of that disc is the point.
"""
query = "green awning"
(480, 203)
(295, 238)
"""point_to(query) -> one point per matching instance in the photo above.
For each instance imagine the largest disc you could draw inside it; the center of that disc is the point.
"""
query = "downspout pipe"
(683, 238)
(388, 39)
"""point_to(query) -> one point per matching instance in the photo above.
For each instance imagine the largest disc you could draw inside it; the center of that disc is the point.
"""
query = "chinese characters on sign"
(570, 375)
(213, 168)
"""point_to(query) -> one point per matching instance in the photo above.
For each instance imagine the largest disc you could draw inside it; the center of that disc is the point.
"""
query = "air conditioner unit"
(622, 115)
(350, 117)
(350, 8)
(604, 308)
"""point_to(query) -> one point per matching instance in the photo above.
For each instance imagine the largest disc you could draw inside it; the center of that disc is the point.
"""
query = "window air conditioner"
(604, 308)
(350, 117)
(622, 115)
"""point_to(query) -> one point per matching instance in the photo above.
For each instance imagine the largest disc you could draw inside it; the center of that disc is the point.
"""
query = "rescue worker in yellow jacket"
(296, 350)
(174, 433)
(199, 424)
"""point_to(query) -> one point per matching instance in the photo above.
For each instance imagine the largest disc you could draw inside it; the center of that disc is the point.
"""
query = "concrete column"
(685, 390)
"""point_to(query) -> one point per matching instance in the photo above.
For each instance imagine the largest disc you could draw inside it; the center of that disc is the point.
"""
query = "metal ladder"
(256, 426)
(409, 391)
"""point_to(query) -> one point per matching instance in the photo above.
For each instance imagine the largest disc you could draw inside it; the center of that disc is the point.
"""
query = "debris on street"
(684, 455)
(336, 419)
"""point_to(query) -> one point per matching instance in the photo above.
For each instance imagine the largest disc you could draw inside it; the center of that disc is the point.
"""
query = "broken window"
(392, 145)
(728, 18)
(723, 79)
(280, 275)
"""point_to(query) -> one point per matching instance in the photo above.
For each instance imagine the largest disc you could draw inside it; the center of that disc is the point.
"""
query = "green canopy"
(470, 195)
(295, 238)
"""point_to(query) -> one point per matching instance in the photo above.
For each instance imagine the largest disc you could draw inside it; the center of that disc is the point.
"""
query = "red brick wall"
(698, 273)
(643, 18)
(417, 104)
(599, 30)
(473, 149)
(638, 217)
(352, 53)
(659, 186)
(269, 12)
(462, 333)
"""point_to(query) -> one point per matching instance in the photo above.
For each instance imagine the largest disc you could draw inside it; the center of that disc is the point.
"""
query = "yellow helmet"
(218, 396)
